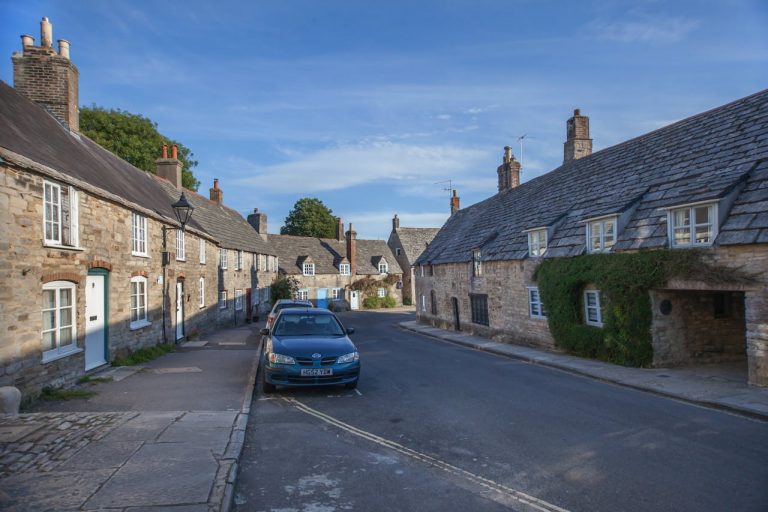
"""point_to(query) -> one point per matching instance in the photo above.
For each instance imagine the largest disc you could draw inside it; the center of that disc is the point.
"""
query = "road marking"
(358, 392)
(491, 485)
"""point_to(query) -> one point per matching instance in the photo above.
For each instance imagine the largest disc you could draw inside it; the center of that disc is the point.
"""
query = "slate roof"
(704, 157)
(327, 253)
(28, 130)
(414, 240)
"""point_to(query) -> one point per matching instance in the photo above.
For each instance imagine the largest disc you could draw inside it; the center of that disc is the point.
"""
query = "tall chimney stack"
(216, 194)
(352, 249)
(509, 171)
(169, 168)
(48, 77)
(258, 221)
(339, 230)
(577, 143)
(395, 222)
(454, 203)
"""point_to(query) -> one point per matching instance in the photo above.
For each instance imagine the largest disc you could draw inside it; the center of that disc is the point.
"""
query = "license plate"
(316, 372)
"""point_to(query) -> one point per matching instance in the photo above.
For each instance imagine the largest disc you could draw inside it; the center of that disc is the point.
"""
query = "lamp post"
(183, 211)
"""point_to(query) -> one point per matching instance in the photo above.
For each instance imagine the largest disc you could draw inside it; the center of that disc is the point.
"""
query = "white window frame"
(597, 234)
(537, 242)
(56, 218)
(344, 269)
(383, 267)
(423, 302)
(691, 227)
(201, 246)
(308, 269)
(139, 235)
(201, 292)
(302, 294)
(596, 307)
(238, 300)
(222, 258)
(142, 311)
(477, 263)
(59, 351)
(181, 246)
(262, 263)
(238, 260)
(337, 293)
(421, 270)
(222, 299)
(535, 306)
(381, 293)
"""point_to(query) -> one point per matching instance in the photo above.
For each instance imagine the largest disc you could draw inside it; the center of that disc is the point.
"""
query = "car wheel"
(268, 387)
(351, 385)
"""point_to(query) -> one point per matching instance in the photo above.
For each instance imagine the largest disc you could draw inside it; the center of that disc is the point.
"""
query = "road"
(438, 427)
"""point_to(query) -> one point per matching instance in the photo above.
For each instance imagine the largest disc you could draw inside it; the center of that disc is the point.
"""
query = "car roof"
(309, 311)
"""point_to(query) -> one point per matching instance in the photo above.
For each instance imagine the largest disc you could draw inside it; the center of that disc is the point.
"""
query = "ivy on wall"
(624, 280)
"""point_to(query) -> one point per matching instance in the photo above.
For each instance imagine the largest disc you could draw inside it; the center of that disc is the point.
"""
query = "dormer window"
(601, 234)
(308, 268)
(383, 267)
(344, 269)
(693, 225)
(477, 264)
(537, 242)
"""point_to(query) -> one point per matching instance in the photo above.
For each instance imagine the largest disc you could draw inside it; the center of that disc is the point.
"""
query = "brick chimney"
(258, 221)
(169, 168)
(508, 171)
(395, 222)
(352, 249)
(216, 194)
(577, 144)
(339, 230)
(454, 203)
(48, 77)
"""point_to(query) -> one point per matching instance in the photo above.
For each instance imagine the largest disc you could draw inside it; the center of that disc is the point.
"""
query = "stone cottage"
(407, 244)
(330, 270)
(699, 183)
(93, 260)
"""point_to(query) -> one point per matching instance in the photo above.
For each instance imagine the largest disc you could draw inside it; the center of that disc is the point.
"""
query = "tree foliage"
(284, 287)
(310, 217)
(134, 138)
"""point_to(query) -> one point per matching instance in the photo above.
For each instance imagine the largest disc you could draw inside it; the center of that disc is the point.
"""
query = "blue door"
(322, 298)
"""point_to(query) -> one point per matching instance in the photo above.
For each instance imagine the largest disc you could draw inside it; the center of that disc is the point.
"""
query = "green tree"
(310, 217)
(284, 287)
(134, 138)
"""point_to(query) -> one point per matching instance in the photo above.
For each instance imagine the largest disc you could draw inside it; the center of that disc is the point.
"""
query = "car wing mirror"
(264, 332)
(350, 330)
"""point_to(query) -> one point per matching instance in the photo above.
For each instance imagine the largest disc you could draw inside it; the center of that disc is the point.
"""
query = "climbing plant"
(624, 280)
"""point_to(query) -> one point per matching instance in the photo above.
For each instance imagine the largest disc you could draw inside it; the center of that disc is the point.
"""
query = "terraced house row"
(701, 184)
(97, 257)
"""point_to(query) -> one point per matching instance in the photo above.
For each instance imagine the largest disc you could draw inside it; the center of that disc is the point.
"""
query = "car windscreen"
(298, 324)
(284, 305)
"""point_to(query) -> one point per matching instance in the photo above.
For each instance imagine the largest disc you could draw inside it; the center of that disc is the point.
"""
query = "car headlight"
(280, 359)
(349, 358)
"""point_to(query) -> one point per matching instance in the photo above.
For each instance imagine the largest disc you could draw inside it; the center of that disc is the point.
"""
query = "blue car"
(308, 347)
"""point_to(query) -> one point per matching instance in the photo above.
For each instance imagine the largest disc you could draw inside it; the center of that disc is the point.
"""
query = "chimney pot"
(64, 48)
(27, 40)
(174, 152)
(395, 222)
(165, 150)
(216, 183)
(46, 33)
(455, 202)
(352, 249)
(577, 112)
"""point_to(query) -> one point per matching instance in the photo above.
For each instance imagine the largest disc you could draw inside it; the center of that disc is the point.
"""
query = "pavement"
(166, 435)
(722, 386)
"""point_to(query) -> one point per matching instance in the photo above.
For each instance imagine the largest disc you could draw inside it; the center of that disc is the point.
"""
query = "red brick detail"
(100, 264)
(180, 276)
(73, 277)
(142, 273)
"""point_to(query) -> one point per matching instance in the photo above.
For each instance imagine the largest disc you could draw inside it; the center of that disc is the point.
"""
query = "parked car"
(308, 347)
(286, 303)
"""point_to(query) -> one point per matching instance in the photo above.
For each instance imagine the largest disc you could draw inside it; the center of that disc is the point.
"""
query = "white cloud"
(348, 166)
(377, 225)
(644, 30)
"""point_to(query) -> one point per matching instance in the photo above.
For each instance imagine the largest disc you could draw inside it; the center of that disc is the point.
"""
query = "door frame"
(105, 274)
(456, 320)
(179, 306)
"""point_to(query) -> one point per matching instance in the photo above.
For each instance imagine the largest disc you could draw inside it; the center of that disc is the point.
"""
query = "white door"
(353, 300)
(179, 310)
(95, 334)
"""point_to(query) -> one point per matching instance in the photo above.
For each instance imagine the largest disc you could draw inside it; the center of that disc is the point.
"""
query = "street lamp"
(183, 211)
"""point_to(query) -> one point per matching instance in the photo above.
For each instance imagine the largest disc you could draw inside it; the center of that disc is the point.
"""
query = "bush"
(284, 287)
(371, 303)
(388, 302)
(407, 301)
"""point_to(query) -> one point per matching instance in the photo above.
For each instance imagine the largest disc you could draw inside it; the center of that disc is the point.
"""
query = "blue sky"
(367, 105)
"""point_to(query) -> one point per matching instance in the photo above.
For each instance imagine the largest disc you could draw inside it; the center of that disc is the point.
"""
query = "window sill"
(53, 355)
(63, 247)
(183, 260)
(135, 326)
(140, 255)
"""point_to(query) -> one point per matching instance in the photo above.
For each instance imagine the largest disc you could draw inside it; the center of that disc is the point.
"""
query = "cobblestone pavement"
(40, 442)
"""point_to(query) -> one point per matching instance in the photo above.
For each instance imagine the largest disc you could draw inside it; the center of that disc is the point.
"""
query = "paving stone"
(56, 491)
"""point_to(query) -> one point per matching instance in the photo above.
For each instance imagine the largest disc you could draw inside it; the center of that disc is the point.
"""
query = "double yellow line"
(515, 495)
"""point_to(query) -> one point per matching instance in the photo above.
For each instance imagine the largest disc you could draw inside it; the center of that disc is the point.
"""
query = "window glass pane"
(49, 320)
(591, 299)
(682, 236)
(703, 234)
(49, 340)
(65, 298)
(609, 233)
(702, 214)
(682, 217)
(65, 317)
(65, 336)
(592, 314)
(49, 299)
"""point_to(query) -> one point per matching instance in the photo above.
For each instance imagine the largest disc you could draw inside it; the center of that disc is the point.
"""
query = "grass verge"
(143, 355)
(65, 394)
